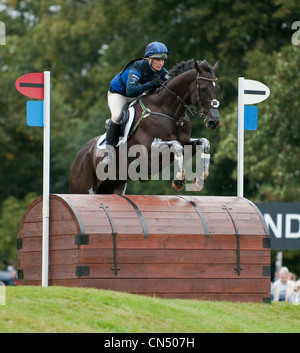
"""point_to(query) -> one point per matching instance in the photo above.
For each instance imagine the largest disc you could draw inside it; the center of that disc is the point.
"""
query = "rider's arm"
(133, 87)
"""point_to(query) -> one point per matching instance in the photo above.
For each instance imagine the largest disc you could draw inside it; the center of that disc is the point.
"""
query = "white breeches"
(116, 103)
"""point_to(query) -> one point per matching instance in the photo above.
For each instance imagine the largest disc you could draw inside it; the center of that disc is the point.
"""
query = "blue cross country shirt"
(135, 78)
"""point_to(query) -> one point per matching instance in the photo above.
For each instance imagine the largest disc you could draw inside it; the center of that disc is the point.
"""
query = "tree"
(85, 43)
(11, 216)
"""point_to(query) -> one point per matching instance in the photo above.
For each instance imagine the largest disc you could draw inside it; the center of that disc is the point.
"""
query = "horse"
(162, 119)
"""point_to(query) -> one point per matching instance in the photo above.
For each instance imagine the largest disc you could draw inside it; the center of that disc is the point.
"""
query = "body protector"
(136, 78)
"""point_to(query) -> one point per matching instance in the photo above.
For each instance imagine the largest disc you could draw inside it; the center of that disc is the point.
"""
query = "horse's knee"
(206, 145)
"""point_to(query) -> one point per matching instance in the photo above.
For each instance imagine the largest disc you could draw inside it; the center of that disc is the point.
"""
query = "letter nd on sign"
(283, 221)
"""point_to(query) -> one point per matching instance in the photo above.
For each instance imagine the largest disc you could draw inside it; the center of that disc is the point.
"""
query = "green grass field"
(58, 309)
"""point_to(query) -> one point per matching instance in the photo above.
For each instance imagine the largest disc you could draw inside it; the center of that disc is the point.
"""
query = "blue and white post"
(249, 92)
(240, 159)
(46, 181)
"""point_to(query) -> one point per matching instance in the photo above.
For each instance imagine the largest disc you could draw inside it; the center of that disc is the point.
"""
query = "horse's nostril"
(212, 124)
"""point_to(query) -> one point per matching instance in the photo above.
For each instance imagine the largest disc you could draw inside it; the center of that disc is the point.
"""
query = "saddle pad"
(101, 144)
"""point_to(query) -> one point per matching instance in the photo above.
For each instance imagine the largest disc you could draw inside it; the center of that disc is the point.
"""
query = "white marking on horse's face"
(214, 83)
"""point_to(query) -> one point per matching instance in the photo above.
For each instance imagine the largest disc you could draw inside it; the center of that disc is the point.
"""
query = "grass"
(59, 309)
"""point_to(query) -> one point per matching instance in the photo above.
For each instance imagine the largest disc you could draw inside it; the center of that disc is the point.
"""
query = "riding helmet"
(156, 50)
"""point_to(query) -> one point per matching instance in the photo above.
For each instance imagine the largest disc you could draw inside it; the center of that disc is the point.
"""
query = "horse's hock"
(208, 248)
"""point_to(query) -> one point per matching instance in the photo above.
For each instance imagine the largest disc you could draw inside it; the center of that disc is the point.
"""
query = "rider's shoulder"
(138, 63)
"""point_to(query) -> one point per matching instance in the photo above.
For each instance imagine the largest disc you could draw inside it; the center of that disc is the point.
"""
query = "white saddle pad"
(101, 144)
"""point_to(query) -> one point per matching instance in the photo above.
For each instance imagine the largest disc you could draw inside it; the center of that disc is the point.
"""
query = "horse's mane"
(189, 65)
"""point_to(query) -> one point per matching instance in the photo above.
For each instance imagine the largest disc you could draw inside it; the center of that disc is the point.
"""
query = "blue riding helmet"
(156, 50)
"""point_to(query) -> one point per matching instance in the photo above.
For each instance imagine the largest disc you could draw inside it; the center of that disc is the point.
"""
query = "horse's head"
(205, 96)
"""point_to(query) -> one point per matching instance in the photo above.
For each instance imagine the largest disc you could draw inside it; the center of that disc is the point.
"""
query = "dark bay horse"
(165, 123)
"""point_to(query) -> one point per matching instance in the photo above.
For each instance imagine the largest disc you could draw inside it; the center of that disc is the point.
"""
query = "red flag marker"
(31, 85)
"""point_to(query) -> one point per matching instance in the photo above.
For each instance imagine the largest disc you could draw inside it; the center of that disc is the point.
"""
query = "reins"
(195, 115)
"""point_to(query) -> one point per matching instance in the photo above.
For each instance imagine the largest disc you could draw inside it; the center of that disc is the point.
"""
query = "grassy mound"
(59, 309)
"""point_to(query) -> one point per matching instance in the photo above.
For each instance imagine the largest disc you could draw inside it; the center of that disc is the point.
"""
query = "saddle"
(124, 119)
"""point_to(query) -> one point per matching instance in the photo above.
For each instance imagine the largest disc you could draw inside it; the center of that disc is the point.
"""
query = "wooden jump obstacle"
(196, 247)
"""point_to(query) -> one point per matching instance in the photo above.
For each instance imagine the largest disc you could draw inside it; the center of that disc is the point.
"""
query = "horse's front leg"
(201, 146)
(165, 148)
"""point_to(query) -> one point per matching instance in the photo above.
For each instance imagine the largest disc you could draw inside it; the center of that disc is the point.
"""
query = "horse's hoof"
(197, 187)
(178, 185)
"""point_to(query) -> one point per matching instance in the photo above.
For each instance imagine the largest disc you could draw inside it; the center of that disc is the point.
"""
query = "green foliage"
(11, 216)
(272, 152)
(272, 161)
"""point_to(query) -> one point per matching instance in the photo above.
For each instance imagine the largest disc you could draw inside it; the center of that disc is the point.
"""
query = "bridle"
(200, 112)
(213, 102)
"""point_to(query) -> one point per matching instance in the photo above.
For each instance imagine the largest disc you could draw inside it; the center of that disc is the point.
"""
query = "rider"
(138, 76)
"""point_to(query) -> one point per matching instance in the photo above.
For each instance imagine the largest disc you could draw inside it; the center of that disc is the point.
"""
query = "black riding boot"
(112, 139)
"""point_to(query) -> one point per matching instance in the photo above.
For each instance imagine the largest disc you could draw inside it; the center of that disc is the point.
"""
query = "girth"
(147, 112)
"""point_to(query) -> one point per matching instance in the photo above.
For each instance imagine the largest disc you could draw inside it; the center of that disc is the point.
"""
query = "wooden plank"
(32, 259)
(58, 211)
(173, 225)
(172, 271)
(60, 242)
(162, 241)
(61, 257)
(30, 282)
(160, 256)
(175, 241)
(63, 266)
(31, 273)
(55, 272)
(31, 229)
(63, 227)
(127, 226)
(30, 244)
(56, 228)
(35, 214)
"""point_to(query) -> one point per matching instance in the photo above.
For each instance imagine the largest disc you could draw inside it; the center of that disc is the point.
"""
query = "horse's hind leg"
(82, 180)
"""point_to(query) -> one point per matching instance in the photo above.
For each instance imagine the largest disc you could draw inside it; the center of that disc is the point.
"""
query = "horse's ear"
(198, 68)
(215, 68)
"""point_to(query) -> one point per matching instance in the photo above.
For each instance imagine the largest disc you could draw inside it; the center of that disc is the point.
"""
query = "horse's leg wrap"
(198, 182)
(176, 148)
(201, 141)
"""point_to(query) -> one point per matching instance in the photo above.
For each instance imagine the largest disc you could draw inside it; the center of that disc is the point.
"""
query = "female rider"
(138, 76)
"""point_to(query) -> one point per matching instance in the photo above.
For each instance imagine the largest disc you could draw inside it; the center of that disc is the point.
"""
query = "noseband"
(213, 102)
